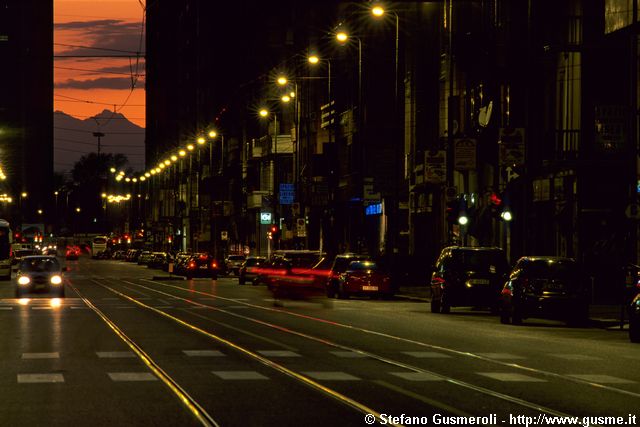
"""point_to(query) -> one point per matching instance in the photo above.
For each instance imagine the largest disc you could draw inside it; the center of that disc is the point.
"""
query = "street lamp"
(378, 12)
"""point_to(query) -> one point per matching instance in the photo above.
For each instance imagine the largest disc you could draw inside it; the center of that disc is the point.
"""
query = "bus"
(98, 245)
(6, 240)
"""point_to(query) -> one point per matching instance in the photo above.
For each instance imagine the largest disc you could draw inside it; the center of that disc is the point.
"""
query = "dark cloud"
(100, 83)
(124, 68)
(104, 34)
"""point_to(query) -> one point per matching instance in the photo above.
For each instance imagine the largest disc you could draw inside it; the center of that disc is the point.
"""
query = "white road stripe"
(511, 377)
(41, 308)
(239, 375)
(132, 376)
(602, 379)
(54, 355)
(115, 354)
(40, 378)
(331, 375)
(417, 376)
(575, 357)
(6, 308)
(500, 356)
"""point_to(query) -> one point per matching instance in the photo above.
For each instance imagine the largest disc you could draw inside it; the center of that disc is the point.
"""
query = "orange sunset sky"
(86, 86)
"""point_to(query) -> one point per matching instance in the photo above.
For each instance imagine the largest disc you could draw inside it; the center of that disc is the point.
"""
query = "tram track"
(299, 377)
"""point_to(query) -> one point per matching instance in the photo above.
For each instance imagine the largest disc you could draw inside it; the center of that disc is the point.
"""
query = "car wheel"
(516, 316)
(505, 317)
(342, 294)
(445, 307)
(435, 306)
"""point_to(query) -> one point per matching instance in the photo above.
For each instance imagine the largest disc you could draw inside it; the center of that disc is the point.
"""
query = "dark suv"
(544, 286)
(468, 276)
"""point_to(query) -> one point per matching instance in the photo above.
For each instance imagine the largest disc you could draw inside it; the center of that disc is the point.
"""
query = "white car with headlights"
(39, 272)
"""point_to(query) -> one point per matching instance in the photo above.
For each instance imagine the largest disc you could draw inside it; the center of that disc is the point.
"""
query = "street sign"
(265, 217)
(301, 227)
(224, 235)
(464, 154)
(287, 193)
(511, 146)
(436, 166)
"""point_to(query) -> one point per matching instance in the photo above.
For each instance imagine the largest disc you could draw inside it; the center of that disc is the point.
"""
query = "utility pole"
(98, 135)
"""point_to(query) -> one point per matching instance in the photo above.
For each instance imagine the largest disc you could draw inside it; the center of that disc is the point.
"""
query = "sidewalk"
(601, 316)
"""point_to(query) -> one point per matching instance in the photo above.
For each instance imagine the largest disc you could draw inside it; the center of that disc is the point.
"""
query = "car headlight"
(56, 280)
(23, 280)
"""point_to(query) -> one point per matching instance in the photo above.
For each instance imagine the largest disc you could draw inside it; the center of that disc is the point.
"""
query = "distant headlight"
(23, 280)
(56, 280)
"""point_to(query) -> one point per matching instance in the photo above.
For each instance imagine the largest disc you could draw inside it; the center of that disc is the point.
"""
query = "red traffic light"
(274, 229)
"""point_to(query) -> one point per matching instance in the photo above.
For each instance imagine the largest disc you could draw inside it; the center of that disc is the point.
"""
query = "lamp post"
(342, 37)
(378, 12)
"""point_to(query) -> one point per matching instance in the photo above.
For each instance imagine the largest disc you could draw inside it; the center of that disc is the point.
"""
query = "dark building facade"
(517, 114)
(26, 107)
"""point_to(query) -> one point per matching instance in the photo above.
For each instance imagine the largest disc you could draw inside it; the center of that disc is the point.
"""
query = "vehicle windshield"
(341, 263)
(24, 252)
(39, 265)
(252, 262)
(236, 257)
(552, 269)
(362, 265)
(480, 260)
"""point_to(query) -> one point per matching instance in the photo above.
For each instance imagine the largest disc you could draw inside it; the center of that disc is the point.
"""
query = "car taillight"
(507, 292)
(192, 264)
(214, 264)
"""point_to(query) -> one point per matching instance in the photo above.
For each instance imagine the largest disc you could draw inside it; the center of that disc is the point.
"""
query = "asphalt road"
(125, 349)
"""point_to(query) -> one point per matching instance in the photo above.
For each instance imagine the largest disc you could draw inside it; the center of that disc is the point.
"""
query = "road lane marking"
(575, 357)
(53, 355)
(203, 353)
(115, 354)
(331, 376)
(500, 356)
(349, 354)
(40, 378)
(6, 308)
(602, 379)
(417, 376)
(239, 375)
(132, 376)
(511, 377)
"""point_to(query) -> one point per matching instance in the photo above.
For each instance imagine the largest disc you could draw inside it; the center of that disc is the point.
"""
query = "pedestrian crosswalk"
(30, 359)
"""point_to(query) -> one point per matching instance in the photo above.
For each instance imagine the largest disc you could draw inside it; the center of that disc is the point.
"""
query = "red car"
(362, 277)
(73, 252)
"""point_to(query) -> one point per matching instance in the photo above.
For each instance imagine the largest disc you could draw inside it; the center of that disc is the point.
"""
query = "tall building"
(26, 106)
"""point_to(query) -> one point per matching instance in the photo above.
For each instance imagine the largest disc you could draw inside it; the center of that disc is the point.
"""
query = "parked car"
(362, 277)
(249, 269)
(468, 276)
(339, 265)
(543, 286)
(37, 272)
(144, 257)
(132, 255)
(158, 260)
(233, 263)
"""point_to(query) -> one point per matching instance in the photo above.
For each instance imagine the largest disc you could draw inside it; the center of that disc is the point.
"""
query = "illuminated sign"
(375, 209)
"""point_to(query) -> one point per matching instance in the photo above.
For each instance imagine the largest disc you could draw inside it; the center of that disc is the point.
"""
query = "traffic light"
(500, 206)
(275, 232)
(456, 212)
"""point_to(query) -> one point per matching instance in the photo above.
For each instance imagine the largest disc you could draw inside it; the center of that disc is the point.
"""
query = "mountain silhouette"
(74, 138)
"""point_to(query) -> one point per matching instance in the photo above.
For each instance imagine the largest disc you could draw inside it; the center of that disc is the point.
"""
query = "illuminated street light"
(23, 195)
(286, 98)
(313, 59)
(112, 170)
(190, 147)
(39, 211)
(182, 153)
(342, 37)
(377, 11)
(78, 210)
(167, 162)
(213, 134)
(174, 158)
(263, 113)
(282, 80)
(201, 140)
